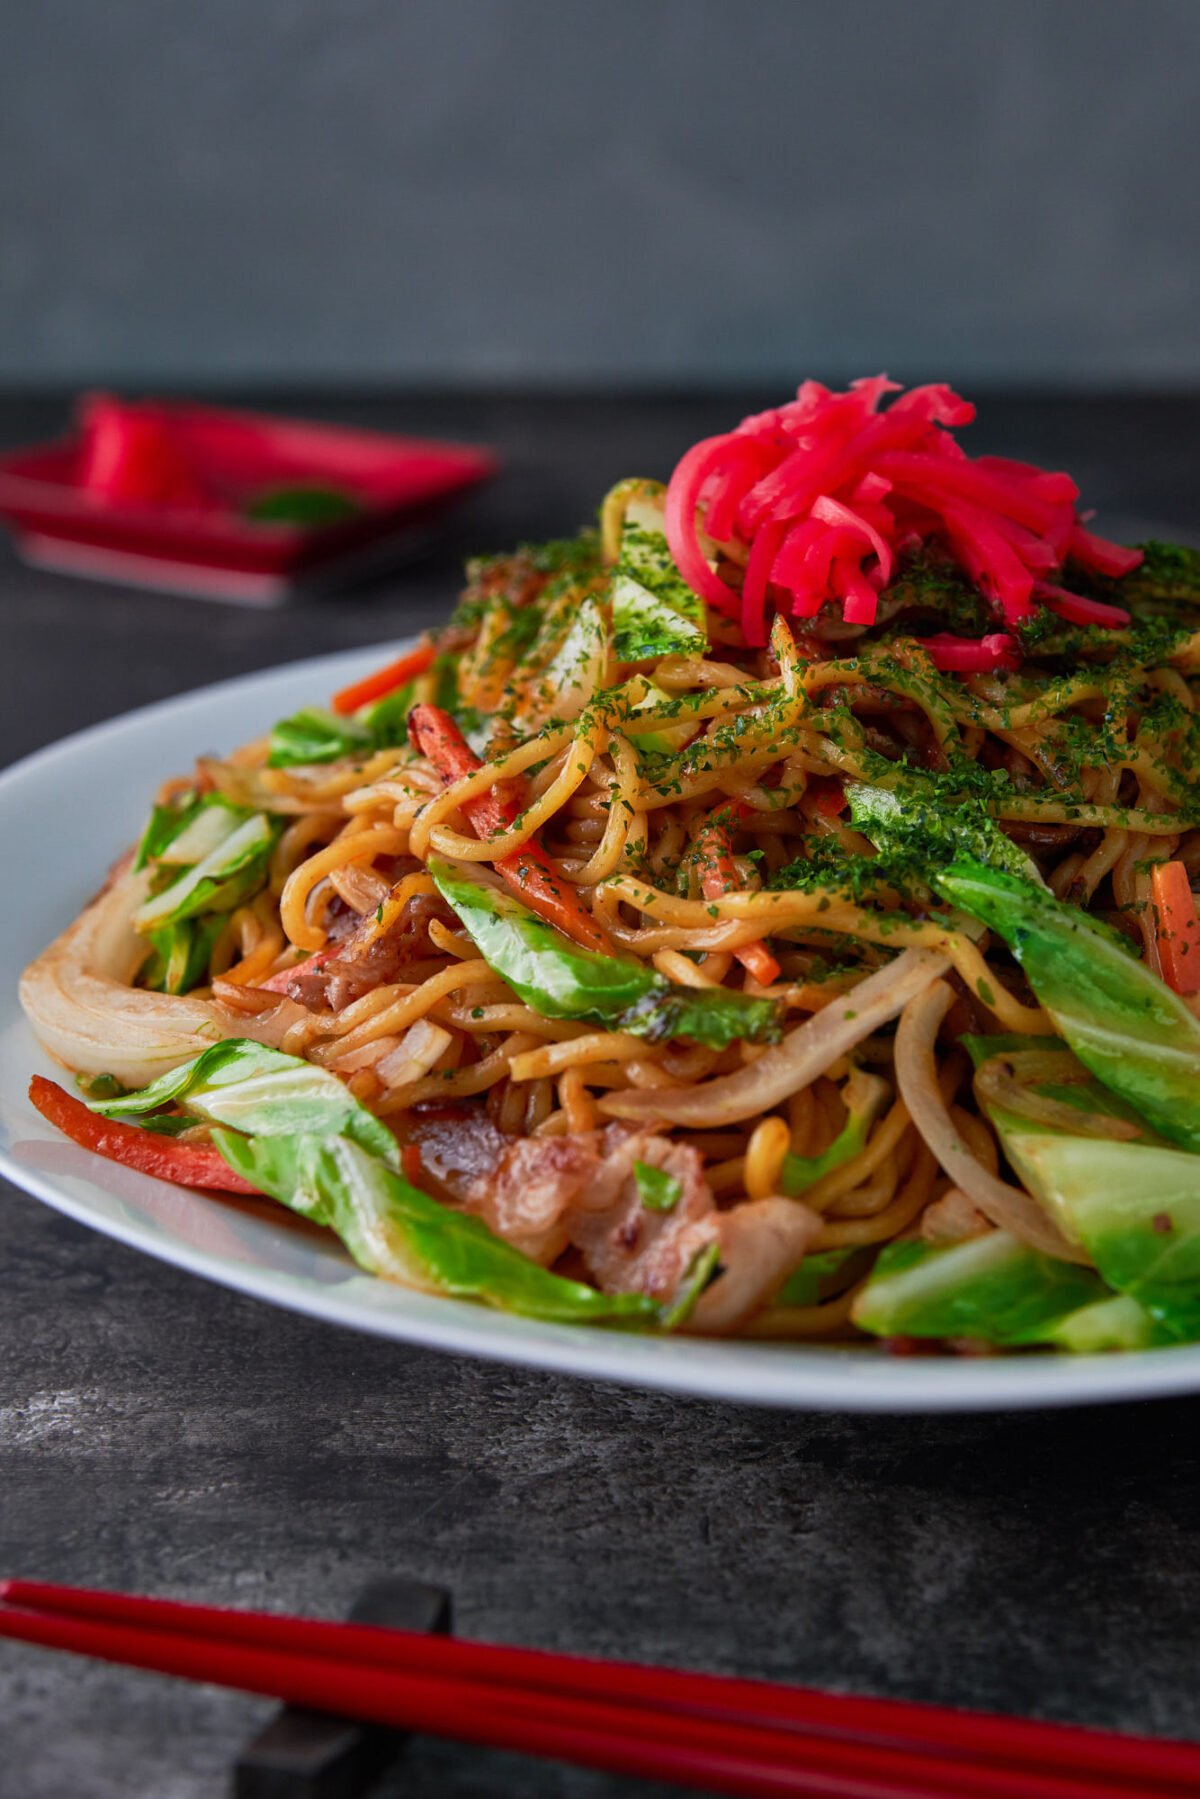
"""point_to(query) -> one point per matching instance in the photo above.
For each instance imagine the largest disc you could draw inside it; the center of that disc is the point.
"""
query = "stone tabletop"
(160, 1434)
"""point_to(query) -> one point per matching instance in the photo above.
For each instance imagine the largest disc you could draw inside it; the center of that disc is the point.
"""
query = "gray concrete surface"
(638, 190)
(163, 1436)
(159, 1434)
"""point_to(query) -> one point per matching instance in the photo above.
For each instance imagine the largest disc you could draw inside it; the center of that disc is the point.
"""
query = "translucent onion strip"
(916, 1073)
(804, 1053)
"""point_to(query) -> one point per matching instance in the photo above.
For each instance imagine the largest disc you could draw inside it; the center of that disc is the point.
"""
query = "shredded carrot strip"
(528, 870)
(384, 680)
(718, 877)
(1178, 927)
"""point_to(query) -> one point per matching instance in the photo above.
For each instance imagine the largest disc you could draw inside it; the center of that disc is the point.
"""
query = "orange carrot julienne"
(384, 680)
(758, 962)
(828, 798)
(528, 870)
(718, 876)
(1178, 927)
(440, 741)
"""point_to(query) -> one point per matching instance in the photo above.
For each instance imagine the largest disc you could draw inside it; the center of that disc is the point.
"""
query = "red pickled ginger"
(817, 498)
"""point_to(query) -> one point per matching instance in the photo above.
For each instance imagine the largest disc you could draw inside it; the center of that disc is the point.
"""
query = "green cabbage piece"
(654, 611)
(1123, 1023)
(394, 1230)
(1134, 1207)
(991, 1288)
(646, 627)
(221, 880)
(262, 1092)
(314, 735)
(180, 955)
(916, 818)
(560, 980)
(205, 820)
(864, 1098)
(822, 1275)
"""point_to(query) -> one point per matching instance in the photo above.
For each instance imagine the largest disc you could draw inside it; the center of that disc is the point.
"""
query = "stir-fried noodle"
(681, 803)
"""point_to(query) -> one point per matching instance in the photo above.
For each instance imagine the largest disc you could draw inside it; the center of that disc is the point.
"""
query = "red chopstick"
(732, 1736)
(691, 1752)
(883, 1722)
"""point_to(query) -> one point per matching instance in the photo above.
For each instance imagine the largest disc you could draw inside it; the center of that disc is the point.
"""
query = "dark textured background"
(158, 1434)
(586, 190)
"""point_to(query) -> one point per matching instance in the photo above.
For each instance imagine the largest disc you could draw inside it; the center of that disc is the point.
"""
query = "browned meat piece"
(1050, 837)
(514, 578)
(627, 1247)
(365, 961)
(763, 1241)
(953, 1219)
(520, 1186)
(546, 1195)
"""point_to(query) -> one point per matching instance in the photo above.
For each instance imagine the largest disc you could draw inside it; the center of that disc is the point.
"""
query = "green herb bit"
(657, 1190)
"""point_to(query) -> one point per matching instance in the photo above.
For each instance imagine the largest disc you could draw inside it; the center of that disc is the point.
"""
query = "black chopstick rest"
(303, 1754)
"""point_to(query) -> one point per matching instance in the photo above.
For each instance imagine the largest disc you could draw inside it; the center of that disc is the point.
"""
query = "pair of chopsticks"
(723, 1735)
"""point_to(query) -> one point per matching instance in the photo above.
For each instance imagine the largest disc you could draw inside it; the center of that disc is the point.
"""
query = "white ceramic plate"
(68, 811)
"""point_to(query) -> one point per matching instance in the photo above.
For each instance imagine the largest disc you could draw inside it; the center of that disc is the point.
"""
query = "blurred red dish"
(193, 534)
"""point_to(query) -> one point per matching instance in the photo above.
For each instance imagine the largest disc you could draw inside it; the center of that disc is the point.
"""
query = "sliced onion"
(953, 1219)
(362, 888)
(795, 1063)
(916, 1074)
(415, 1054)
(78, 999)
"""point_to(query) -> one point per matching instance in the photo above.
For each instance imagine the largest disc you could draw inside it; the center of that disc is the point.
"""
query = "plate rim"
(739, 1371)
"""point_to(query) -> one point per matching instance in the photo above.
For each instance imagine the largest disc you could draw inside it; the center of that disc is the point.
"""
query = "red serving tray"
(404, 485)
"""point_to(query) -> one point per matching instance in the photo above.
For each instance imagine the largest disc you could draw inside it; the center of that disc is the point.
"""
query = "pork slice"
(545, 1195)
(521, 1187)
(529, 1201)
(365, 961)
(627, 1247)
(953, 1219)
(459, 1145)
(763, 1241)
